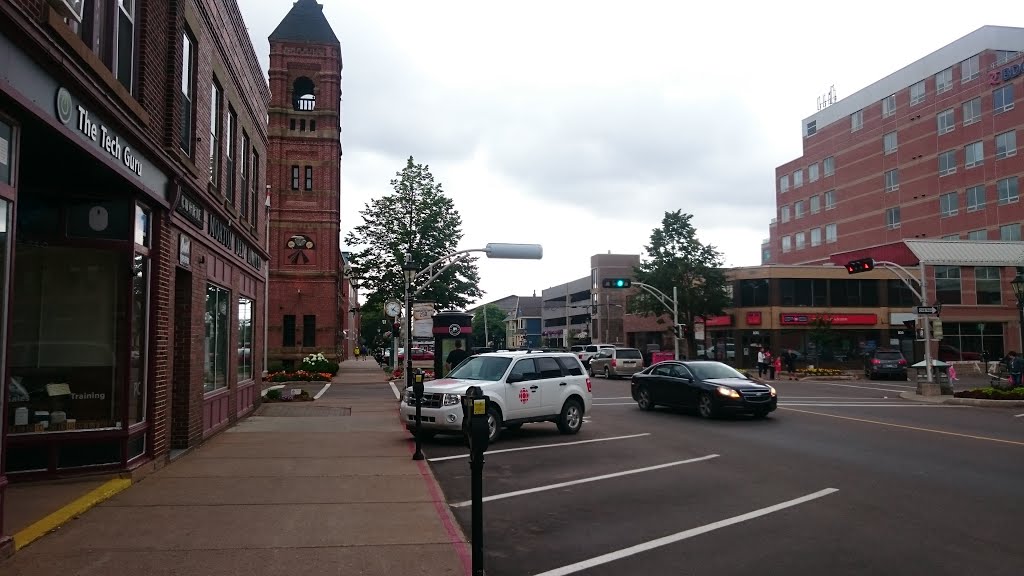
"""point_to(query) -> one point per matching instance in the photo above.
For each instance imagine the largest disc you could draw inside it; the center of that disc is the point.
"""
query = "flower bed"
(298, 376)
(991, 394)
(286, 396)
(318, 363)
(398, 374)
(819, 372)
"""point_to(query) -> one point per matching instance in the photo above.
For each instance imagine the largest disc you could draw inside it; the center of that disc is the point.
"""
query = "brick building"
(307, 281)
(132, 243)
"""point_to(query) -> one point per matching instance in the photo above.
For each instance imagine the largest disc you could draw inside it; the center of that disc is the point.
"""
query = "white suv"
(522, 387)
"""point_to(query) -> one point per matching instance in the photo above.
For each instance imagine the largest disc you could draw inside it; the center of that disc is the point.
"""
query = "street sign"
(926, 310)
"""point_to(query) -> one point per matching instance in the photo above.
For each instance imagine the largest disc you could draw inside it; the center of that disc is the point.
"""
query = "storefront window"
(5, 223)
(215, 368)
(971, 341)
(140, 291)
(947, 284)
(6, 153)
(244, 339)
(754, 293)
(846, 293)
(63, 350)
(900, 296)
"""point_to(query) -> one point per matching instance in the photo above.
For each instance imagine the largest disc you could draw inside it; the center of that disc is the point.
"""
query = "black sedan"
(713, 388)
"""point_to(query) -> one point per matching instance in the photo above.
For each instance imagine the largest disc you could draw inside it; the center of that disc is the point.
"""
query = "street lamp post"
(409, 267)
(1018, 291)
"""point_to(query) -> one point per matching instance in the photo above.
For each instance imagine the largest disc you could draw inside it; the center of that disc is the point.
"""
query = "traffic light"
(679, 330)
(616, 283)
(862, 265)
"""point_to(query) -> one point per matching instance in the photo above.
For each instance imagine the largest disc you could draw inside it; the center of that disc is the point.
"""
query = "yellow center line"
(905, 427)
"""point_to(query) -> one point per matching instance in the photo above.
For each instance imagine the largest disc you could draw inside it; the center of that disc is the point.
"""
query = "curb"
(978, 402)
(69, 511)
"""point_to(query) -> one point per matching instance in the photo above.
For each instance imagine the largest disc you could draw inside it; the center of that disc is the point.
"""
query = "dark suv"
(887, 362)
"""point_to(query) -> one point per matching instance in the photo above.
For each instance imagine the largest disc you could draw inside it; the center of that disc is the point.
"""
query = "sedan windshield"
(490, 368)
(713, 370)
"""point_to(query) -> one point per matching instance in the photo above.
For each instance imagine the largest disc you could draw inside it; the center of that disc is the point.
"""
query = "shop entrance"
(182, 398)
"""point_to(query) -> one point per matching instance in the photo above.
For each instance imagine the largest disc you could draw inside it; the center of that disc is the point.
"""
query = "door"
(685, 387)
(658, 382)
(523, 398)
(552, 383)
(183, 354)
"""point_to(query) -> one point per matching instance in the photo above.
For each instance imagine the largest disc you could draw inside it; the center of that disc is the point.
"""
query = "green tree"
(676, 257)
(373, 324)
(822, 336)
(495, 322)
(417, 214)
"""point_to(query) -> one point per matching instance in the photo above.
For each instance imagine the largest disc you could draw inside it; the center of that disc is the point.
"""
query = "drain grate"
(303, 409)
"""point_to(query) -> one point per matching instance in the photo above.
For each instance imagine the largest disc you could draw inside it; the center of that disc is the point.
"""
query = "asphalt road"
(844, 479)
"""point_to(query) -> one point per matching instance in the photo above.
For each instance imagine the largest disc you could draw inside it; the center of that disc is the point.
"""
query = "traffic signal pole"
(675, 319)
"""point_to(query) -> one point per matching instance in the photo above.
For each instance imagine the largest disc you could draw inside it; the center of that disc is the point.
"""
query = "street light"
(1018, 290)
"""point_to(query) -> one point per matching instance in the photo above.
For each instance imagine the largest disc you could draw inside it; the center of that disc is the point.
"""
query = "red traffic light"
(858, 266)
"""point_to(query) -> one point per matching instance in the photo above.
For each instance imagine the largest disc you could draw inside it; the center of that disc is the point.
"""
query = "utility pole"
(487, 338)
(675, 318)
(568, 317)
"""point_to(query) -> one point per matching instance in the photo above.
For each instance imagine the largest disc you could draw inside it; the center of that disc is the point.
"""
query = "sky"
(576, 124)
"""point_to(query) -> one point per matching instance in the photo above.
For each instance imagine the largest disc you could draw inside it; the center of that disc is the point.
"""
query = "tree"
(676, 257)
(419, 216)
(494, 318)
(822, 336)
(373, 324)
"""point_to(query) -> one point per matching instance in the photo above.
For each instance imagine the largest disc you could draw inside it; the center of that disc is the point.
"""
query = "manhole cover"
(301, 409)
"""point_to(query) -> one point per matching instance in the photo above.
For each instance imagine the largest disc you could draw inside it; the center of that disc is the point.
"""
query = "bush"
(319, 363)
(991, 394)
(299, 376)
(274, 394)
(820, 372)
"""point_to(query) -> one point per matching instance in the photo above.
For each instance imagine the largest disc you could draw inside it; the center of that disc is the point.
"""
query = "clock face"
(393, 308)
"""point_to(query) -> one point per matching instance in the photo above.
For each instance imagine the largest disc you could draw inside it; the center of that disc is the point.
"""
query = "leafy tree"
(676, 257)
(822, 336)
(373, 324)
(416, 214)
(495, 321)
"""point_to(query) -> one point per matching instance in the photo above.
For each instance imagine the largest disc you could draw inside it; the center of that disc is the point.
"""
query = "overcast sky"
(577, 124)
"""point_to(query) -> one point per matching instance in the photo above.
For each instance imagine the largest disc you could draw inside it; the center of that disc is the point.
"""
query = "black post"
(478, 433)
(417, 392)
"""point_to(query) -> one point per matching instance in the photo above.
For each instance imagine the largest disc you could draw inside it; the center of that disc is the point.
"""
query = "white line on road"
(489, 452)
(584, 480)
(684, 535)
(869, 405)
(616, 398)
(321, 392)
(864, 387)
(851, 398)
(1019, 416)
(613, 403)
(397, 395)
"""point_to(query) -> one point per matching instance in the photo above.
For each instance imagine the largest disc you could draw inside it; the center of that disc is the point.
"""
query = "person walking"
(1015, 366)
(356, 352)
(777, 367)
(760, 362)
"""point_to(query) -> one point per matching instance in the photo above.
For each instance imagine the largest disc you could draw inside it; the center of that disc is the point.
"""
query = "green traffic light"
(620, 283)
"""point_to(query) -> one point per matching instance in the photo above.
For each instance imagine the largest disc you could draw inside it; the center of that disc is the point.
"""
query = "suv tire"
(493, 424)
(570, 420)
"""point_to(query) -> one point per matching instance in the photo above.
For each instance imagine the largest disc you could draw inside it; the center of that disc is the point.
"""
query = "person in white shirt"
(760, 363)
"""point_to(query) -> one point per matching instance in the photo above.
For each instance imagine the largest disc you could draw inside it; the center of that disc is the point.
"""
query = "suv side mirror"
(513, 378)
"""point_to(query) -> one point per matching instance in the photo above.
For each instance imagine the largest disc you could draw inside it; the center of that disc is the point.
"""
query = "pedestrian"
(760, 362)
(951, 374)
(456, 356)
(777, 366)
(356, 352)
(1016, 367)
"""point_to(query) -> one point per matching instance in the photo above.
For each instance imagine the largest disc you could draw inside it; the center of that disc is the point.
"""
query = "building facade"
(132, 232)
(307, 314)
(929, 151)
(565, 314)
(524, 324)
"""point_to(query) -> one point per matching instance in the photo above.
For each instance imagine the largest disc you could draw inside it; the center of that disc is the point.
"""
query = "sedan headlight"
(450, 399)
(728, 392)
(772, 390)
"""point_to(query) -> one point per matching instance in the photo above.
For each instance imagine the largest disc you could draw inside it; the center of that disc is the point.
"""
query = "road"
(845, 478)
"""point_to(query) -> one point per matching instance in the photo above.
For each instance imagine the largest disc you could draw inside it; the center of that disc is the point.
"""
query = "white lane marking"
(322, 391)
(684, 535)
(395, 390)
(615, 398)
(862, 387)
(489, 452)
(1019, 416)
(867, 405)
(584, 481)
(852, 398)
(613, 403)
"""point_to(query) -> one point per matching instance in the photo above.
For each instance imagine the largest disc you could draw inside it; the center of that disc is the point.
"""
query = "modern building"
(307, 288)
(132, 232)
(565, 312)
(929, 151)
(524, 323)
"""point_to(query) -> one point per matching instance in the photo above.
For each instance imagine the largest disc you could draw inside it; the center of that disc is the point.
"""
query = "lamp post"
(409, 267)
(1018, 290)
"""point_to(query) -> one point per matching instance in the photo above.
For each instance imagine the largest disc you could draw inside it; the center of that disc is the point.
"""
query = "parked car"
(712, 388)
(591, 350)
(417, 354)
(534, 387)
(616, 362)
(888, 362)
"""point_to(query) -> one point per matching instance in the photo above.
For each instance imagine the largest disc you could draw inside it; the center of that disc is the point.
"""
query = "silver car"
(616, 362)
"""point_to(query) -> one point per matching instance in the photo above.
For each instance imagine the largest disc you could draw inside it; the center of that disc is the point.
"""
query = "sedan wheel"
(706, 406)
(643, 399)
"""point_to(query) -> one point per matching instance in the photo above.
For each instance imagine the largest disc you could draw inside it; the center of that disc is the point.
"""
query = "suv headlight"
(451, 400)
(410, 399)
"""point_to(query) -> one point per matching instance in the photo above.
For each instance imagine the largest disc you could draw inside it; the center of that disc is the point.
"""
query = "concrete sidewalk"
(323, 487)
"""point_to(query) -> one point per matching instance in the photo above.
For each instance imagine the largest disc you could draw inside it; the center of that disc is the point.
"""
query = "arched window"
(303, 97)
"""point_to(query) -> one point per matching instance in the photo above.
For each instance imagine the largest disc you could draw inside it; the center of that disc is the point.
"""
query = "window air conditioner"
(68, 8)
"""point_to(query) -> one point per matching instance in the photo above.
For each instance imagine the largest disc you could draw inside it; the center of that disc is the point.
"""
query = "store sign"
(1006, 74)
(221, 231)
(191, 209)
(753, 318)
(801, 319)
(75, 116)
(724, 320)
(184, 251)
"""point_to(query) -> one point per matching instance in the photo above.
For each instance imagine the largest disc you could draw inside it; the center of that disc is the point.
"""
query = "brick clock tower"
(308, 301)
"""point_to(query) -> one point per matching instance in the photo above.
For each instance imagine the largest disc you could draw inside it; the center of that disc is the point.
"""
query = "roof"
(305, 22)
(967, 252)
(529, 307)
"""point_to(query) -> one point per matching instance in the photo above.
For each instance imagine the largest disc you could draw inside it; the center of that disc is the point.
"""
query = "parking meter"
(477, 431)
(417, 393)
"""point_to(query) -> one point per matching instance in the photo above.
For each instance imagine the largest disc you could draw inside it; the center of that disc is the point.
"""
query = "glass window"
(1004, 56)
(812, 127)
(570, 366)
(754, 292)
(830, 233)
(944, 80)
(784, 183)
(853, 293)
(947, 284)
(857, 120)
(1009, 232)
(126, 43)
(949, 204)
(141, 226)
(947, 162)
(309, 178)
(917, 93)
(288, 331)
(815, 202)
(950, 237)
(7, 156)
(256, 172)
(1007, 190)
(784, 213)
(815, 236)
(798, 178)
(215, 134)
(972, 111)
(971, 341)
(946, 121)
(892, 217)
(787, 243)
(803, 292)
(974, 154)
(244, 339)
(892, 180)
(1006, 144)
(889, 106)
(987, 285)
(66, 365)
(188, 69)
(798, 209)
(890, 143)
(309, 331)
(899, 295)
(975, 198)
(977, 235)
(970, 68)
(812, 172)
(830, 199)
(800, 240)
(829, 165)
(1002, 98)
(140, 313)
(295, 177)
(229, 191)
(245, 174)
(215, 364)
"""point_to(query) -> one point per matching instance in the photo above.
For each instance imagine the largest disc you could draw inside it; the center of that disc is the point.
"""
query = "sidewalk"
(323, 487)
